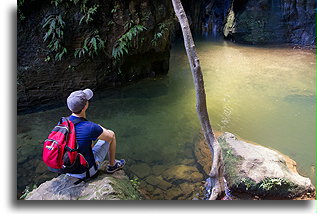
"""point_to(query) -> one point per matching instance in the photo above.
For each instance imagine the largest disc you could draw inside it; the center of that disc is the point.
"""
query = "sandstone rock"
(141, 170)
(182, 173)
(256, 170)
(105, 187)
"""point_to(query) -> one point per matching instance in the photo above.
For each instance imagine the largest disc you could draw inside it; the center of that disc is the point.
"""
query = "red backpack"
(60, 149)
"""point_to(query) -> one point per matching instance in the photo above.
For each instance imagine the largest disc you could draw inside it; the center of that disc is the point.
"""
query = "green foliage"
(247, 183)
(54, 25)
(273, 183)
(135, 183)
(162, 29)
(116, 7)
(20, 13)
(27, 191)
(92, 46)
(110, 23)
(125, 41)
(56, 2)
(88, 13)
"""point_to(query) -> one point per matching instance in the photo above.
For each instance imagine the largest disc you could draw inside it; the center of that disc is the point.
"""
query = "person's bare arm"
(106, 135)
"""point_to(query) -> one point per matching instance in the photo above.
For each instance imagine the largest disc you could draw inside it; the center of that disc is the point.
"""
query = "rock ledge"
(105, 187)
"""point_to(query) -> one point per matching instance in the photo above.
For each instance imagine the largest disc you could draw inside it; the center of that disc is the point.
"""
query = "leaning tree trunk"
(216, 172)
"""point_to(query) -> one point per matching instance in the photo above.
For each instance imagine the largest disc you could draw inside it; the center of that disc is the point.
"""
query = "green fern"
(92, 46)
(125, 41)
(88, 13)
(54, 35)
(162, 29)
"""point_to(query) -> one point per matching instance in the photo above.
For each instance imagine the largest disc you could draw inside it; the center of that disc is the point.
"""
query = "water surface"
(265, 95)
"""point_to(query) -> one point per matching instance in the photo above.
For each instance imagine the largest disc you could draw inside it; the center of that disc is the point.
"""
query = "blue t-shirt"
(86, 133)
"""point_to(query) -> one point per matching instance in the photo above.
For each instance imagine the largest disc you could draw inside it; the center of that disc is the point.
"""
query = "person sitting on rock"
(86, 133)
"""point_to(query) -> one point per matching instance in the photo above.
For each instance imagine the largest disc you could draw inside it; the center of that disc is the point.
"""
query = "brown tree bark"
(216, 172)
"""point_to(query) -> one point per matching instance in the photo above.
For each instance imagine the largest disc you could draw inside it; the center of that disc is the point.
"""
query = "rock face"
(104, 187)
(42, 81)
(256, 170)
(267, 21)
(255, 21)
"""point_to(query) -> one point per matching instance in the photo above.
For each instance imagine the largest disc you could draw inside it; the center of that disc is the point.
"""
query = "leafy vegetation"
(126, 41)
(274, 183)
(135, 183)
(116, 7)
(54, 25)
(27, 191)
(88, 13)
(162, 29)
(247, 183)
(20, 13)
(92, 46)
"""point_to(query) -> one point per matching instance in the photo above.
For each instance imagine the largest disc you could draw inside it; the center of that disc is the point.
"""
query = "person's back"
(86, 133)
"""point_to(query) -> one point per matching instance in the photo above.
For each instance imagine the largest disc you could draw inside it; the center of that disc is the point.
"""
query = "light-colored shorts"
(100, 151)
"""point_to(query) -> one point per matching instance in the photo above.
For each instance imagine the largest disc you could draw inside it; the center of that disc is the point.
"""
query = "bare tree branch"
(216, 172)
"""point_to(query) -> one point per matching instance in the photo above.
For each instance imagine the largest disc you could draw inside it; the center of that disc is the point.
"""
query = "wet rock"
(158, 194)
(105, 187)
(189, 162)
(159, 169)
(182, 173)
(158, 182)
(187, 189)
(256, 170)
(173, 193)
(141, 170)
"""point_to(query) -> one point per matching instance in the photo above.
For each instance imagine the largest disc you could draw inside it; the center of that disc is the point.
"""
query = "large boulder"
(105, 187)
(257, 170)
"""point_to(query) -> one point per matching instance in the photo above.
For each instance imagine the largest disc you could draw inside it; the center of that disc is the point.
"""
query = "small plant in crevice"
(274, 183)
(247, 183)
(127, 40)
(54, 35)
(92, 46)
(135, 183)
(27, 191)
